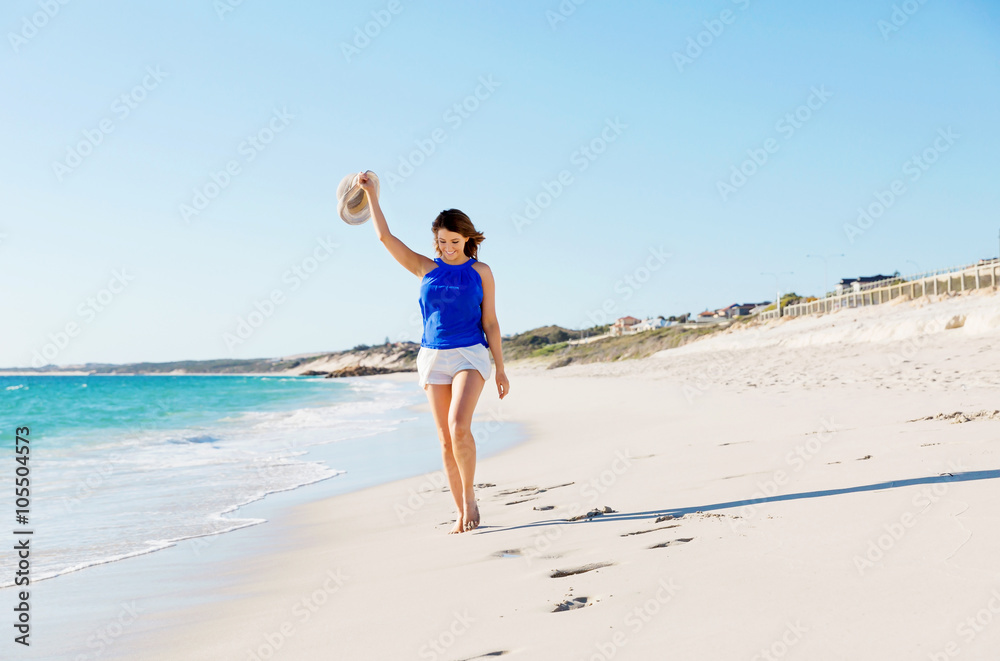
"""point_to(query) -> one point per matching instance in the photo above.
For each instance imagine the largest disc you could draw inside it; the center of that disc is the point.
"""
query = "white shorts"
(439, 366)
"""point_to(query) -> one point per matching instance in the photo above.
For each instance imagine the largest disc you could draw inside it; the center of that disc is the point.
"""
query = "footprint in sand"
(570, 604)
(523, 553)
(597, 511)
(562, 573)
(511, 492)
(530, 491)
(672, 542)
(643, 532)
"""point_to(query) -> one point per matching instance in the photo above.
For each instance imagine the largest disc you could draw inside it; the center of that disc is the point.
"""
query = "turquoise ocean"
(127, 465)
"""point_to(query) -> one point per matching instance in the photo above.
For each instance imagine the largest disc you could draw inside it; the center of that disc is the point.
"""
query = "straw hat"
(352, 203)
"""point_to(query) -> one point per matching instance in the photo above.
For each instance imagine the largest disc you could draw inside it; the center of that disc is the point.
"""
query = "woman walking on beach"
(460, 330)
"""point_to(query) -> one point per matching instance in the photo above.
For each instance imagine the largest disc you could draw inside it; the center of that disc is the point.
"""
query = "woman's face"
(451, 245)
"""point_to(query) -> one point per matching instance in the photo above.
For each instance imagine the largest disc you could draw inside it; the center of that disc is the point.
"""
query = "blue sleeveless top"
(451, 300)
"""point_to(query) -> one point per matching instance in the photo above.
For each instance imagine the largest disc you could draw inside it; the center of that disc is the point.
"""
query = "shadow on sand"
(967, 476)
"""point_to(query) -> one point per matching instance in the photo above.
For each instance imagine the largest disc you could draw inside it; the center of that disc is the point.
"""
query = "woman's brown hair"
(454, 220)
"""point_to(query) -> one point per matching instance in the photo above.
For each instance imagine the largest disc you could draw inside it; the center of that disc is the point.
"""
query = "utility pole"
(777, 286)
(826, 270)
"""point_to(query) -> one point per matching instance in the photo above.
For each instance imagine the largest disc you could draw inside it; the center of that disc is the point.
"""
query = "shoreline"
(418, 408)
(126, 580)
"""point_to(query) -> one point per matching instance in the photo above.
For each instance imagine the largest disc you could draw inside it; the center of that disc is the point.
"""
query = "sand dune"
(971, 314)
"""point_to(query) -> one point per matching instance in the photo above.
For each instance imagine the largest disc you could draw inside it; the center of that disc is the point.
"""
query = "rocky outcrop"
(364, 370)
(393, 357)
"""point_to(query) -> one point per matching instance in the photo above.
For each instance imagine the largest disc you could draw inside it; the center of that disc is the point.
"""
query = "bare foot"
(471, 519)
(458, 527)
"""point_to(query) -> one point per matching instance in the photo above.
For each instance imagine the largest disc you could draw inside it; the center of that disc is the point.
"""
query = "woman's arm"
(413, 262)
(492, 327)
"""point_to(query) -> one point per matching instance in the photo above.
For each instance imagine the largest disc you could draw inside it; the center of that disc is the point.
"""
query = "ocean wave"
(185, 521)
(113, 494)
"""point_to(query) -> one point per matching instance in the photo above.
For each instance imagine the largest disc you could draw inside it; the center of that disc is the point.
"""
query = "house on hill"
(649, 324)
(741, 309)
(623, 326)
(854, 285)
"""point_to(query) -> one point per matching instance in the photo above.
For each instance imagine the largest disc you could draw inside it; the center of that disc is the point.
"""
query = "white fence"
(958, 279)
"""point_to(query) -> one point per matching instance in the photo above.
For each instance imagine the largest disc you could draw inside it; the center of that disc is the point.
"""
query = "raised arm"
(413, 262)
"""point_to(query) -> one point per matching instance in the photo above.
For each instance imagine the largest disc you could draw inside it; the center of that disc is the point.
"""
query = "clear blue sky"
(681, 126)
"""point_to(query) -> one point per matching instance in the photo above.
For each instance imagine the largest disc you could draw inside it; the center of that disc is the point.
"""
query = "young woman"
(460, 331)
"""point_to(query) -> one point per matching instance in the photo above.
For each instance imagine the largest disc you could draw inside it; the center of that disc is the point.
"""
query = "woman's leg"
(465, 390)
(439, 396)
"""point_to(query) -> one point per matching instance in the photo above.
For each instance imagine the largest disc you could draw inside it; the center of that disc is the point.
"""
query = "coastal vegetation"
(554, 345)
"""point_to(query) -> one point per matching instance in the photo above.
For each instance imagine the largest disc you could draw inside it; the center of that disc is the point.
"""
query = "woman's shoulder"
(482, 269)
(427, 265)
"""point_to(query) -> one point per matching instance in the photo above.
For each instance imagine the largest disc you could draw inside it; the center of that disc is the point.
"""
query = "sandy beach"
(757, 495)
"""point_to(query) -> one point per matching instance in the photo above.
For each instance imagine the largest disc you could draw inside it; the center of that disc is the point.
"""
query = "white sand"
(866, 552)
